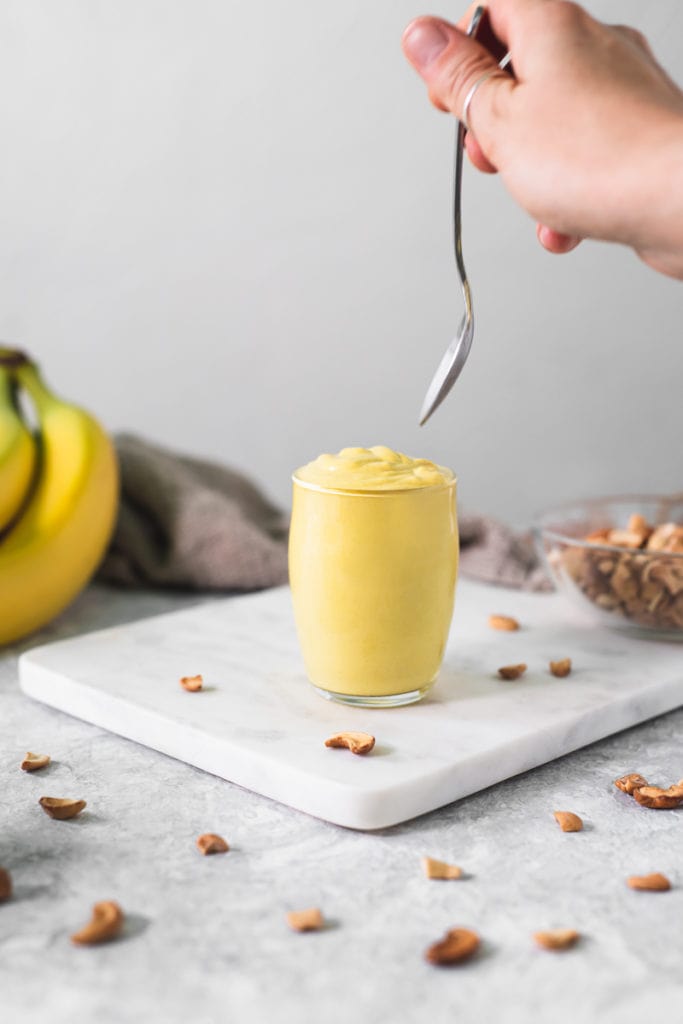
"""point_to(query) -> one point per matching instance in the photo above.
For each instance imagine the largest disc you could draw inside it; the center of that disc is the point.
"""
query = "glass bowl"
(620, 584)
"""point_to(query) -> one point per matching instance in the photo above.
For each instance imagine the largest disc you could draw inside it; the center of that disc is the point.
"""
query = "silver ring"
(470, 95)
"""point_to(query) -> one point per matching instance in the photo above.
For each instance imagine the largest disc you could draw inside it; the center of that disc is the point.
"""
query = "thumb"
(451, 64)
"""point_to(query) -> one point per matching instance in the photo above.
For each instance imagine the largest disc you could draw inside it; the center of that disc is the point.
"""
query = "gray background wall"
(226, 225)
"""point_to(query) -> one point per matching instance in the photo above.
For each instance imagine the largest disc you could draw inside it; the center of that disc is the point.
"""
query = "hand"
(588, 135)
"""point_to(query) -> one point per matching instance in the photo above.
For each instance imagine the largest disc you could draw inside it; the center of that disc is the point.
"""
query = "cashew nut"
(61, 809)
(105, 924)
(32, 762)
(356, 742)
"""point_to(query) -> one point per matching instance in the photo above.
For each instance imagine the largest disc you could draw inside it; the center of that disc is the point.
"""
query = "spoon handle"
(457, 188)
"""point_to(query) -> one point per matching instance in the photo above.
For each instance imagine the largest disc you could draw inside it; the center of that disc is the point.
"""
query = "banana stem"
(28, 376)
(12, 358)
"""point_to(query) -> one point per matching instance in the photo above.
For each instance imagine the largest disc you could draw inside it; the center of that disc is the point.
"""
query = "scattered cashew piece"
(659, 799)
(561, 668)
(440, 869)
(629, 783)
(503, 622)
(512, 671)
(356, 742)
(32, 762)
(568, 821)
(649, 883)
(105, 924)
(192, 684)
(556, 938)
(305, 920)
(61, 809)
(212, 843)
(457, 945)
(650, 796)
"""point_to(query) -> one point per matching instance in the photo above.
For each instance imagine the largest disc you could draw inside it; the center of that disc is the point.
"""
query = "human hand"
(588, 135)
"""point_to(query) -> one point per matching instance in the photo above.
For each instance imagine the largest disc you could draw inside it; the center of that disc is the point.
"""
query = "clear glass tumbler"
(373, 578)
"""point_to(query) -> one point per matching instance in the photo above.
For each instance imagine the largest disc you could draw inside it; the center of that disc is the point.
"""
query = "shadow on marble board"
(135, 925)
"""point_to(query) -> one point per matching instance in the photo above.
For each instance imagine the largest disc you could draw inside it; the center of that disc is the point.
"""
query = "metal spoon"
(457, 352)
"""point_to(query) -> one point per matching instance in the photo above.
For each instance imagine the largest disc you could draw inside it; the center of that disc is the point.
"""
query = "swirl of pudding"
(372, 469)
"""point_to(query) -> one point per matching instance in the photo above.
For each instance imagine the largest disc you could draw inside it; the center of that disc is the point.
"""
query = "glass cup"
(373, 583)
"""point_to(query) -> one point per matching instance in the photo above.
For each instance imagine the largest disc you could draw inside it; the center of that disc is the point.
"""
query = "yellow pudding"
(372, 469)
(373, 556)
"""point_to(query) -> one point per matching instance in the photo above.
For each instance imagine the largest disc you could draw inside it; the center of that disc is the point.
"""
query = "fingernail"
(423, 42)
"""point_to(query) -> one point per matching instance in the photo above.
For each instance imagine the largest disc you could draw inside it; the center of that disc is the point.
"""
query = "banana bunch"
(18, 453)
(58, 499)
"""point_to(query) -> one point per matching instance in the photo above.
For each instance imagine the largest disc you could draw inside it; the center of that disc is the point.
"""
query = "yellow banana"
(58, 542)
(18, 452)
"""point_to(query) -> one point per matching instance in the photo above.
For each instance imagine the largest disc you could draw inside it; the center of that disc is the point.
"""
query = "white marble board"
(260, 724)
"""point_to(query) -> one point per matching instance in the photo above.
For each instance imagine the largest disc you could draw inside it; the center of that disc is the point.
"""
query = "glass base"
(392, 700)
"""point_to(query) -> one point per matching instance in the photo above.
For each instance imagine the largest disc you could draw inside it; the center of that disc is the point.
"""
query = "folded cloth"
(493, 553)
(183, 522)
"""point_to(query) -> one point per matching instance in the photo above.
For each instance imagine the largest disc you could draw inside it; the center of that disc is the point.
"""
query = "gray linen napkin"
(493, 553)
(184, 522)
